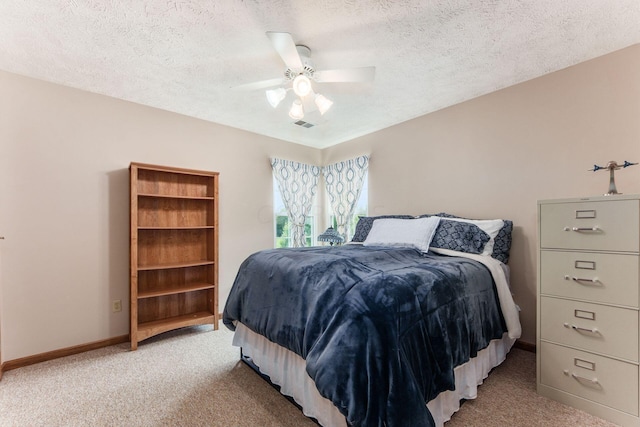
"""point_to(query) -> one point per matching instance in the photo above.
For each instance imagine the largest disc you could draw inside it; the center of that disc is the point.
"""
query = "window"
(282, 235)
(283, 239)
(281, 219)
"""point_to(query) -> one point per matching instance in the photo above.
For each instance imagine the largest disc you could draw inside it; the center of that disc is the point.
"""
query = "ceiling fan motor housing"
(308, 67)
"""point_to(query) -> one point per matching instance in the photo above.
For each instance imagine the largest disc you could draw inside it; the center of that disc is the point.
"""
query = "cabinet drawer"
(608, 278)
(615, 330)
(606, 225)
(614, 384)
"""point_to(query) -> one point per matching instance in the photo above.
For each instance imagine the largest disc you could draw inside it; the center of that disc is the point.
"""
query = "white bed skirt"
(288, 370)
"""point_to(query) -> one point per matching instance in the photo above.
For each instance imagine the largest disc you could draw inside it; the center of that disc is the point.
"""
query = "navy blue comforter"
(381, 329)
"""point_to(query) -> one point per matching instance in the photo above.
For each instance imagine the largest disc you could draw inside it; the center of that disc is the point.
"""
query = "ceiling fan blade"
(263, 84)
(361, 74)
(286, 48)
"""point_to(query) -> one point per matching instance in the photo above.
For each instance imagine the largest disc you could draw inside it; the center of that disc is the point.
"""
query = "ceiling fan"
(299, 75)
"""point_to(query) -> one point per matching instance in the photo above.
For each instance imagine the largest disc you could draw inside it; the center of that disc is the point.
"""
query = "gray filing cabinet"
(588, 300)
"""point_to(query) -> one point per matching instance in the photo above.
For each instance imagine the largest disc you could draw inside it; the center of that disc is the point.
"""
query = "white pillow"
(412, 233)
(490, 226)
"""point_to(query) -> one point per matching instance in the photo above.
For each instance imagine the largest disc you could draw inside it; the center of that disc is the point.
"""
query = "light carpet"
(193, 377)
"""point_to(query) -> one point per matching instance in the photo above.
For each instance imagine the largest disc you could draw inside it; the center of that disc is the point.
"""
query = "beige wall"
(495, 156)
(64, 157)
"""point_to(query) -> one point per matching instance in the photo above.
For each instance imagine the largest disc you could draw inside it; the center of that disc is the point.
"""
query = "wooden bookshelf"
(174, 249)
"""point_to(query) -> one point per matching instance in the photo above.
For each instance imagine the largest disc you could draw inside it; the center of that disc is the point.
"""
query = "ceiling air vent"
(304, 124)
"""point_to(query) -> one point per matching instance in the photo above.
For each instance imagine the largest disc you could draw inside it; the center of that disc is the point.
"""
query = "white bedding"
(288, 370)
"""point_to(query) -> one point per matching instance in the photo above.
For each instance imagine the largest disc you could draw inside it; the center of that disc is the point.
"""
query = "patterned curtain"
(344, 182)
(298, 183)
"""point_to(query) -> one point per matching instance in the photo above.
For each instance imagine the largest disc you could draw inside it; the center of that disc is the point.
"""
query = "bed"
(390, 330)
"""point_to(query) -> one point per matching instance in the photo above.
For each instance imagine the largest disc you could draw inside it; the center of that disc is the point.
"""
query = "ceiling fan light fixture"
(296, 112)
(298, 76)
(323, 103)
(274, 96)
(301, 85)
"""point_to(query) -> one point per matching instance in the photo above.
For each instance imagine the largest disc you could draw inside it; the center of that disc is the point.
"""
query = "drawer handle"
(580, 229)
(595, 280)
(581, 329)
(581, 378)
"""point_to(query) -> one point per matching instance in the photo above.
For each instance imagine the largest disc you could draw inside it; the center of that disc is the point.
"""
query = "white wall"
(64, 158)
(496, 155)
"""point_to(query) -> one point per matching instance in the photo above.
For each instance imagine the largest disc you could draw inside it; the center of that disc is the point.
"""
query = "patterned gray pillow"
(502, 241)
(460, 236)
(363, 227)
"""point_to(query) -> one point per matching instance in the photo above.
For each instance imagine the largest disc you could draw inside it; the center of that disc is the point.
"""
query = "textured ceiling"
(185, 56)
